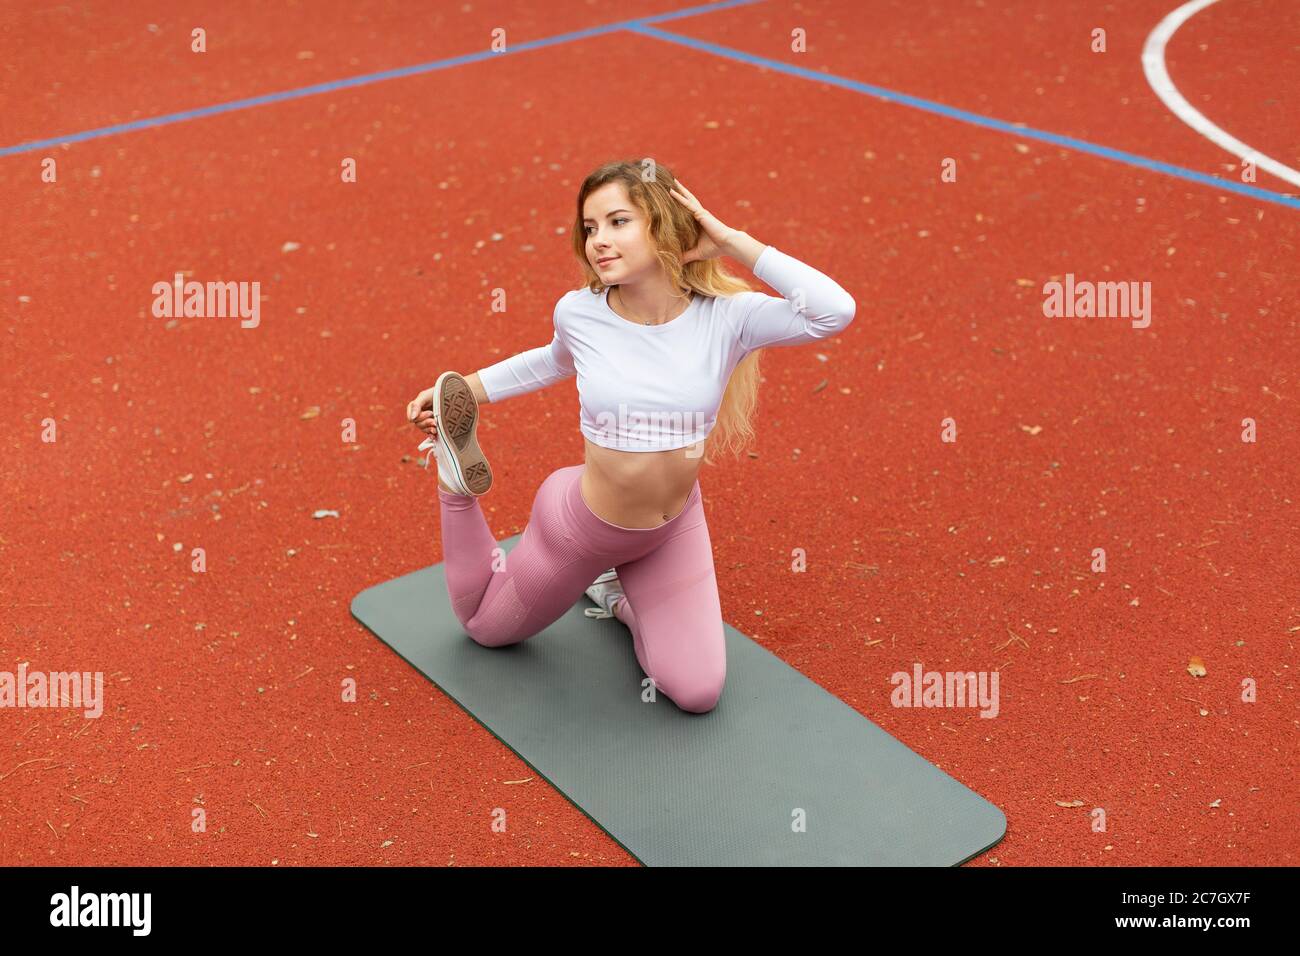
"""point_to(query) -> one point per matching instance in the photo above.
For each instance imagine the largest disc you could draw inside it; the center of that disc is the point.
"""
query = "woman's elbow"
(847, 312)
(836, 320)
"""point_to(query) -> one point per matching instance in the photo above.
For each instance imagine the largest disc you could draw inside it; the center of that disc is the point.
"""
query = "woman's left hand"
(715, 237)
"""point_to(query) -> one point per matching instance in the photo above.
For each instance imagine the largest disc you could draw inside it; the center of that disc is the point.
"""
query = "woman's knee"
(502, 636)
(498, 629)
(490, 637)
(695, 693)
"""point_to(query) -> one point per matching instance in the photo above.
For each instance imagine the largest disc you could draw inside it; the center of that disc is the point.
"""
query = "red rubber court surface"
(222, 688)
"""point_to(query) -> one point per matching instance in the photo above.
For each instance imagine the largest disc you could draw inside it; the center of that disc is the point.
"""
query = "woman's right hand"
(420, 413)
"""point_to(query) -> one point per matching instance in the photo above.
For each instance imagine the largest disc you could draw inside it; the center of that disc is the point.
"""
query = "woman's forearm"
(477, 388)
(745, 249)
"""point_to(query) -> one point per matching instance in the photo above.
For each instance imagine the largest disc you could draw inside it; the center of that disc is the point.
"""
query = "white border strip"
(1153, 65)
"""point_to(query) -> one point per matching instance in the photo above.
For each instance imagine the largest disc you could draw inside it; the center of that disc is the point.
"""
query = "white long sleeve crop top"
(658, 387)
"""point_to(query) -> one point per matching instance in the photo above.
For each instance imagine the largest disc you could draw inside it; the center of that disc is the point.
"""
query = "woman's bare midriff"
(639, 489)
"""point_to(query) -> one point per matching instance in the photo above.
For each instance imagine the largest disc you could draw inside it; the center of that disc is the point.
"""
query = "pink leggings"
(671, 605)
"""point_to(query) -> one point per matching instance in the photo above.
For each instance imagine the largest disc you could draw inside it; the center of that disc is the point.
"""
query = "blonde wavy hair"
(672, 232)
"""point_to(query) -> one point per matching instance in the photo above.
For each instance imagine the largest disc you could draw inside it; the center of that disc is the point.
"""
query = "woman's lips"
(608, 261)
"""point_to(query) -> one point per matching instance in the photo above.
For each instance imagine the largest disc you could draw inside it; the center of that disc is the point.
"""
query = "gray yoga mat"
(725, 788)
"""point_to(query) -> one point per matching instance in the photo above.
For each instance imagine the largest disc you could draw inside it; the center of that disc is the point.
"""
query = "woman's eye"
(619, 219)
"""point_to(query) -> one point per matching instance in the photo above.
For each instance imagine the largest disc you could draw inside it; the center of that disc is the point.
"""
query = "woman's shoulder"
(576, 298)
(576, 307)
(730, 306)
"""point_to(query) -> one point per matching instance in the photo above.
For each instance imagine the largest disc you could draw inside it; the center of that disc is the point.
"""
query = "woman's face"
(617, 230)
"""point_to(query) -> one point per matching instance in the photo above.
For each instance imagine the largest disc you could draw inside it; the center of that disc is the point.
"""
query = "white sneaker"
(461, 463)
(605, 590)
(449, 477)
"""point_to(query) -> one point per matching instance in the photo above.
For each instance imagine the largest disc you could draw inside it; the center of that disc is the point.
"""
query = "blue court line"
(642, 26)
(363, 80)
(1025, 132)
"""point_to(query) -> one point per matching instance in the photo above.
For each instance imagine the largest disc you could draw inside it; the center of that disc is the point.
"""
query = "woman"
(653, 338)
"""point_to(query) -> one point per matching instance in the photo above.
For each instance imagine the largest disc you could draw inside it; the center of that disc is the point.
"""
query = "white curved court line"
(1153, 65)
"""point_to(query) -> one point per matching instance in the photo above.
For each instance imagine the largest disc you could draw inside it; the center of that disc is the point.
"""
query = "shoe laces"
(429, 444)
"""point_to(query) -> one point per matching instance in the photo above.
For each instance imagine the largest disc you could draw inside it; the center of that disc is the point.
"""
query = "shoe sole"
(457, 424)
